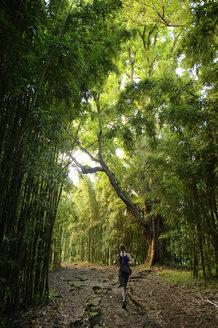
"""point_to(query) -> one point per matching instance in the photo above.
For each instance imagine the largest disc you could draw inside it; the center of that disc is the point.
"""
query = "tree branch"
(89, 154)
(88, 169)
(133, 208)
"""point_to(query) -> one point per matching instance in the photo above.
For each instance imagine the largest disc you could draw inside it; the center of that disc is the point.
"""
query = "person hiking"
(124, 271)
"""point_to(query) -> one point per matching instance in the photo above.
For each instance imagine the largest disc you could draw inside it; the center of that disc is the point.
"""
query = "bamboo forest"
(107, 136)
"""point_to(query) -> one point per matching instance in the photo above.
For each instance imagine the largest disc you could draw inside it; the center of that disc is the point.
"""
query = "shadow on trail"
(145, 321)
(87, 296)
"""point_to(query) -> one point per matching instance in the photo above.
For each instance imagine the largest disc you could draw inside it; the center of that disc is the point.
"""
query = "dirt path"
(88, 296)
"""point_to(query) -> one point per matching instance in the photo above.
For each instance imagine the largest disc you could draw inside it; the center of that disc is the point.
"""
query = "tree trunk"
(152, 228)
(157, 251)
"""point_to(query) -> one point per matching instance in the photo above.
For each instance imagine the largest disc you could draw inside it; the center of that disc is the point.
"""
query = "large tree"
(145, 107)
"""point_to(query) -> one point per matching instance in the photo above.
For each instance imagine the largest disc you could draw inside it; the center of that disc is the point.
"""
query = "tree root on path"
(148, 322)
(207, 301)
(136, 300)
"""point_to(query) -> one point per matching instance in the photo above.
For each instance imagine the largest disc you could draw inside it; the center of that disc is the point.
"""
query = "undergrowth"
(185, 278)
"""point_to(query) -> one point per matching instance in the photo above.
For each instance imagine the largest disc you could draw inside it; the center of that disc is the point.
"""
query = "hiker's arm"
(117, 258)
(130, 259)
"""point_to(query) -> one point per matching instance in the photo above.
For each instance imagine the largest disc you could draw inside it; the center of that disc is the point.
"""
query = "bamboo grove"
(101, 77)
(45, 73)
(92, 223)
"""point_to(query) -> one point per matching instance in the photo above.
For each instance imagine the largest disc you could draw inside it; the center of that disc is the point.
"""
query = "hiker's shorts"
(123, 278)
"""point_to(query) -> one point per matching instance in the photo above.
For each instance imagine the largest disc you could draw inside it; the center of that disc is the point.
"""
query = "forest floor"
(85, 295)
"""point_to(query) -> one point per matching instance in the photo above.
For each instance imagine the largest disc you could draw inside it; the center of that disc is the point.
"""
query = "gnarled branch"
(133, 208)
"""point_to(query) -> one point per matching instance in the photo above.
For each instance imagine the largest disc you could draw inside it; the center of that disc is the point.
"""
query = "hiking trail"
(88, 296)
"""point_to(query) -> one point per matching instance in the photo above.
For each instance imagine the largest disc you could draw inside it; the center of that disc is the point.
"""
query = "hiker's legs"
(123, 282)
(123, 289)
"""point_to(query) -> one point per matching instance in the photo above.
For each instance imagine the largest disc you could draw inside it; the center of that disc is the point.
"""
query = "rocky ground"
(87, 296)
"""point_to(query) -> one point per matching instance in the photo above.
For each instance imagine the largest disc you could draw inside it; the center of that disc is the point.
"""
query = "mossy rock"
(76, 284)
(94, 318)
(93, 303)
(95, 309)
(98, 291)
(83, 279)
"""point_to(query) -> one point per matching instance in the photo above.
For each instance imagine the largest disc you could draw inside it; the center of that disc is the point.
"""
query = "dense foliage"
(92, 223)
(51, 55)
(159, 109)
